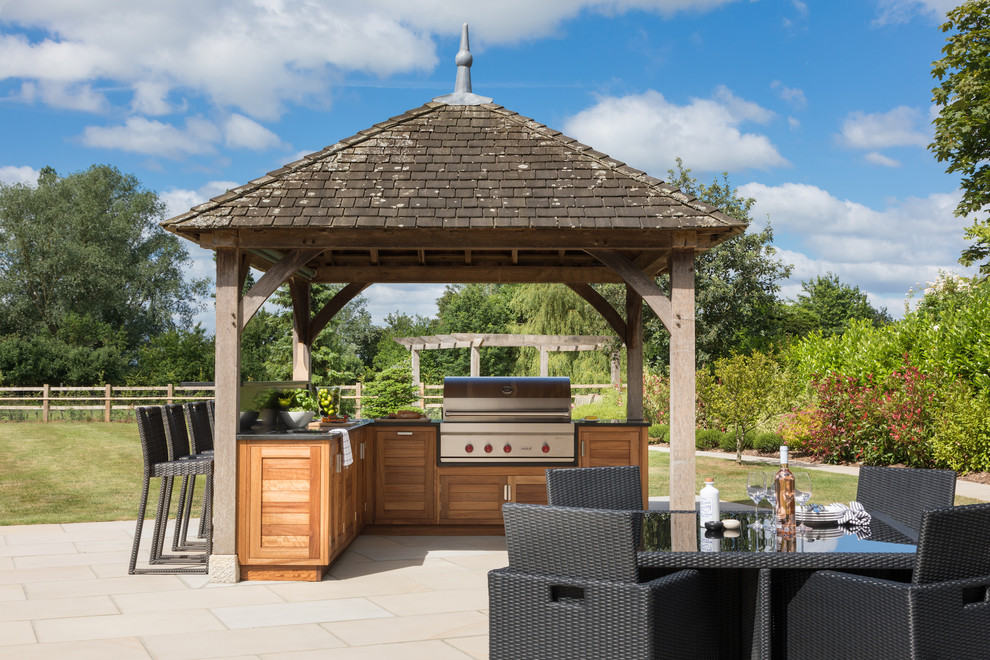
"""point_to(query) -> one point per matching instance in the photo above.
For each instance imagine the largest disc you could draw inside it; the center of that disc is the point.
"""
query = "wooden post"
(357, 399)
(169, 393)
(544, 362)
(415, 366)
(46, 392)
(107, 403)
(682, 380)
(223, 562)
(422, 396)
(302, 343)
(634, 355)
(475, 361)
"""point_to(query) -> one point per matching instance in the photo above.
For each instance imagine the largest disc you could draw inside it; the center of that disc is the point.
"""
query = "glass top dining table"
(677, 540)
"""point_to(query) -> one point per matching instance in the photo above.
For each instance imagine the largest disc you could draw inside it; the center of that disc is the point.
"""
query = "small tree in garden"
(656, 397)
(746, 391)
(391, 390)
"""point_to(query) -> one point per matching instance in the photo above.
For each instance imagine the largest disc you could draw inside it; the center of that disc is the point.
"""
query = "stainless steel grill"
(506, 420)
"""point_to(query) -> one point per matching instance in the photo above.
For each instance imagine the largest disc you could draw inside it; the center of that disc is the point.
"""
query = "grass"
(91, 472)
(730, 479)
(71, 472)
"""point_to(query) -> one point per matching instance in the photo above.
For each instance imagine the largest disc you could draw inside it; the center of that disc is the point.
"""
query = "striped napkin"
(345, 442)
(855, 516)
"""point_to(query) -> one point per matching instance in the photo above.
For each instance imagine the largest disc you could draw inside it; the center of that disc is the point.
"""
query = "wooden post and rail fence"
(102, 401)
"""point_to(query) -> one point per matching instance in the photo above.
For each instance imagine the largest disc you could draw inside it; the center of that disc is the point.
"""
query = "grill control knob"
(488, 449)
(469, 448)
(546, 448)
(507, 448)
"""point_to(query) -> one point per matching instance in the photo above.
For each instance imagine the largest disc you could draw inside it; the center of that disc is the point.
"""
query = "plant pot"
(296, 420)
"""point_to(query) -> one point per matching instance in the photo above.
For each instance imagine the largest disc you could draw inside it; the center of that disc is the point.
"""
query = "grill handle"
(505, 413)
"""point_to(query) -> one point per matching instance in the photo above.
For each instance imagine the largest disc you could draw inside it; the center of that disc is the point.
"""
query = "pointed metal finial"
(463, 60)
(462, 85)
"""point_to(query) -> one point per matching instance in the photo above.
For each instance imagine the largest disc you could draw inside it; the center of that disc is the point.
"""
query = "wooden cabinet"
(283, 498)
(605, 445)
(405, 470)
(475, 495)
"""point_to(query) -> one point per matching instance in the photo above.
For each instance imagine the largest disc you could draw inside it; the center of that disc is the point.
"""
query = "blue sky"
(819, 109)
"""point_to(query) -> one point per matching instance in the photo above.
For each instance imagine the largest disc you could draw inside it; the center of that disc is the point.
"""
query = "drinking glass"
(802, 493)
(771, 498)
(756, 488)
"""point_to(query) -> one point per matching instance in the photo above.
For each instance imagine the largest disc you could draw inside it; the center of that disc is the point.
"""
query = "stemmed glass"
(802, 493)
(771, 498)
(756, 488)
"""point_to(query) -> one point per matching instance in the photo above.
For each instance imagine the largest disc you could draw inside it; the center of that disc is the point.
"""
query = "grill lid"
(521, 397)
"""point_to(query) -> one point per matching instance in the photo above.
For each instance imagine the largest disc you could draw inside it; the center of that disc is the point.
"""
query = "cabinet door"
(405, 467)
(472, 499)
(284, 498)
(600, 446)
(528, 490)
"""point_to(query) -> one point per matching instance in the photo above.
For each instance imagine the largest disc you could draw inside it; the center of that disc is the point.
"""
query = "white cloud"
(256, 55)
(145, 136)
(884, 252)
(12, 174)
(902, 11)
(410, 299)
(878, 158)
(649, 132)
(243, 133)
(792, 95)
(895, 128)
(65, 96)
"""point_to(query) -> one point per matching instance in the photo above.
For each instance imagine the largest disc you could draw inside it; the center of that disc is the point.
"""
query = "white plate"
(829, 514)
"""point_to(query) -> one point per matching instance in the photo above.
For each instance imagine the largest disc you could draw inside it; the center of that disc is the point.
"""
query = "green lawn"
(71, 472)
(91, 472)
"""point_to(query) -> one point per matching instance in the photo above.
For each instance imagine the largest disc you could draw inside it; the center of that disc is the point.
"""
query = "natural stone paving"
(65, 593)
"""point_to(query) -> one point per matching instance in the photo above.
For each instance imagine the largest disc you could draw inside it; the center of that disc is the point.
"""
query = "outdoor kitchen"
(306, 493)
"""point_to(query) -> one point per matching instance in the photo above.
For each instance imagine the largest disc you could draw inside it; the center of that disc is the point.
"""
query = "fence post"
(169, 393)
(422, 396)
(357, 394)
(46, 391)
(107, 405)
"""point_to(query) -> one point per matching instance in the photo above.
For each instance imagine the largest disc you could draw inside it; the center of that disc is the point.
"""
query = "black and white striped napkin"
(856, 519)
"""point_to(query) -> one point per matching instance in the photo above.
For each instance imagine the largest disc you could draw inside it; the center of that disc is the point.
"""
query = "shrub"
(878, 423)
(391, 390)
(767, 443)
(728, 442)
(707, 439)
(656, 397)
(659, 433)
(961, 440)
(796, 428)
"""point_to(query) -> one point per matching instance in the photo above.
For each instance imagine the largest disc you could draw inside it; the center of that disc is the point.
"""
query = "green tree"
(962, 128)
(392, 389)
(175, 356)
(736, 283)
(828, 305)
(744, 392)
(475, 308)
(88, 244)
(390, 353)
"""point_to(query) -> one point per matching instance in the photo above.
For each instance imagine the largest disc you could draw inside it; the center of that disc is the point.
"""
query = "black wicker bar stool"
(201, 444)
(154, 446)
(181, 448)
(616, 487)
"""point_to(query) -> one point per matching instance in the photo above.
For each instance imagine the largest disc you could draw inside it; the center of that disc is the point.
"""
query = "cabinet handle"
(362, 451)
(340, 462)
(403, 432)
(507, 493)
(582, 447)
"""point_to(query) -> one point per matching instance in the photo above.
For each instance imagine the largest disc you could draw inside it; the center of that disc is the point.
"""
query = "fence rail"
(50, 400)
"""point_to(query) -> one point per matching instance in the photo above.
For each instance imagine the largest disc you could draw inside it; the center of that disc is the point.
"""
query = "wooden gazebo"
(457, 190)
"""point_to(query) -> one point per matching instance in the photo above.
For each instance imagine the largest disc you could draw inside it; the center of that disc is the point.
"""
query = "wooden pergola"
(545, 344)
(457, 190)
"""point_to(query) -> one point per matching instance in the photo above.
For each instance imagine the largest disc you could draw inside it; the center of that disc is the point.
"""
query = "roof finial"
(463, 60)
(462, 86)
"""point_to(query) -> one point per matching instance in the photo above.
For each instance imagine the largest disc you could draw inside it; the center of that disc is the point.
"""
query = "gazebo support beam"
(642, 283)
(600, 305)
(634, 355)
(342, 297)
(682, 380)
(302, 340)
(223, 565)
(275, 277)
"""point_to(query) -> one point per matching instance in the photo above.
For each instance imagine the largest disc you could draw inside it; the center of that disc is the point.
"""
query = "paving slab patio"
(65, 593)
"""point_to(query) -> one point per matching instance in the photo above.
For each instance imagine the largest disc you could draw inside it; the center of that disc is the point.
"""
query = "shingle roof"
(447, 166)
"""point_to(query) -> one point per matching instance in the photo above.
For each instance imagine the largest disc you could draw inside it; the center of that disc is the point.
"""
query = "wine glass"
(756, 488)
(802, 493)
(771, 498)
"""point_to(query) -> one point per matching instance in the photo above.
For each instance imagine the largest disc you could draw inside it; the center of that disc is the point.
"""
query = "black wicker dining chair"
(572, 590)
(613, 487)
(155, 449)
(904, 494)
(943, 612)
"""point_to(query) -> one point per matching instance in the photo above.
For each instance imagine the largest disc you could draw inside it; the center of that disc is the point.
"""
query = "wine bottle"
(783, 486)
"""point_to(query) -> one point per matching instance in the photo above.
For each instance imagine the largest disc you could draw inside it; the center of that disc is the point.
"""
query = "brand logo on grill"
(507, 390)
